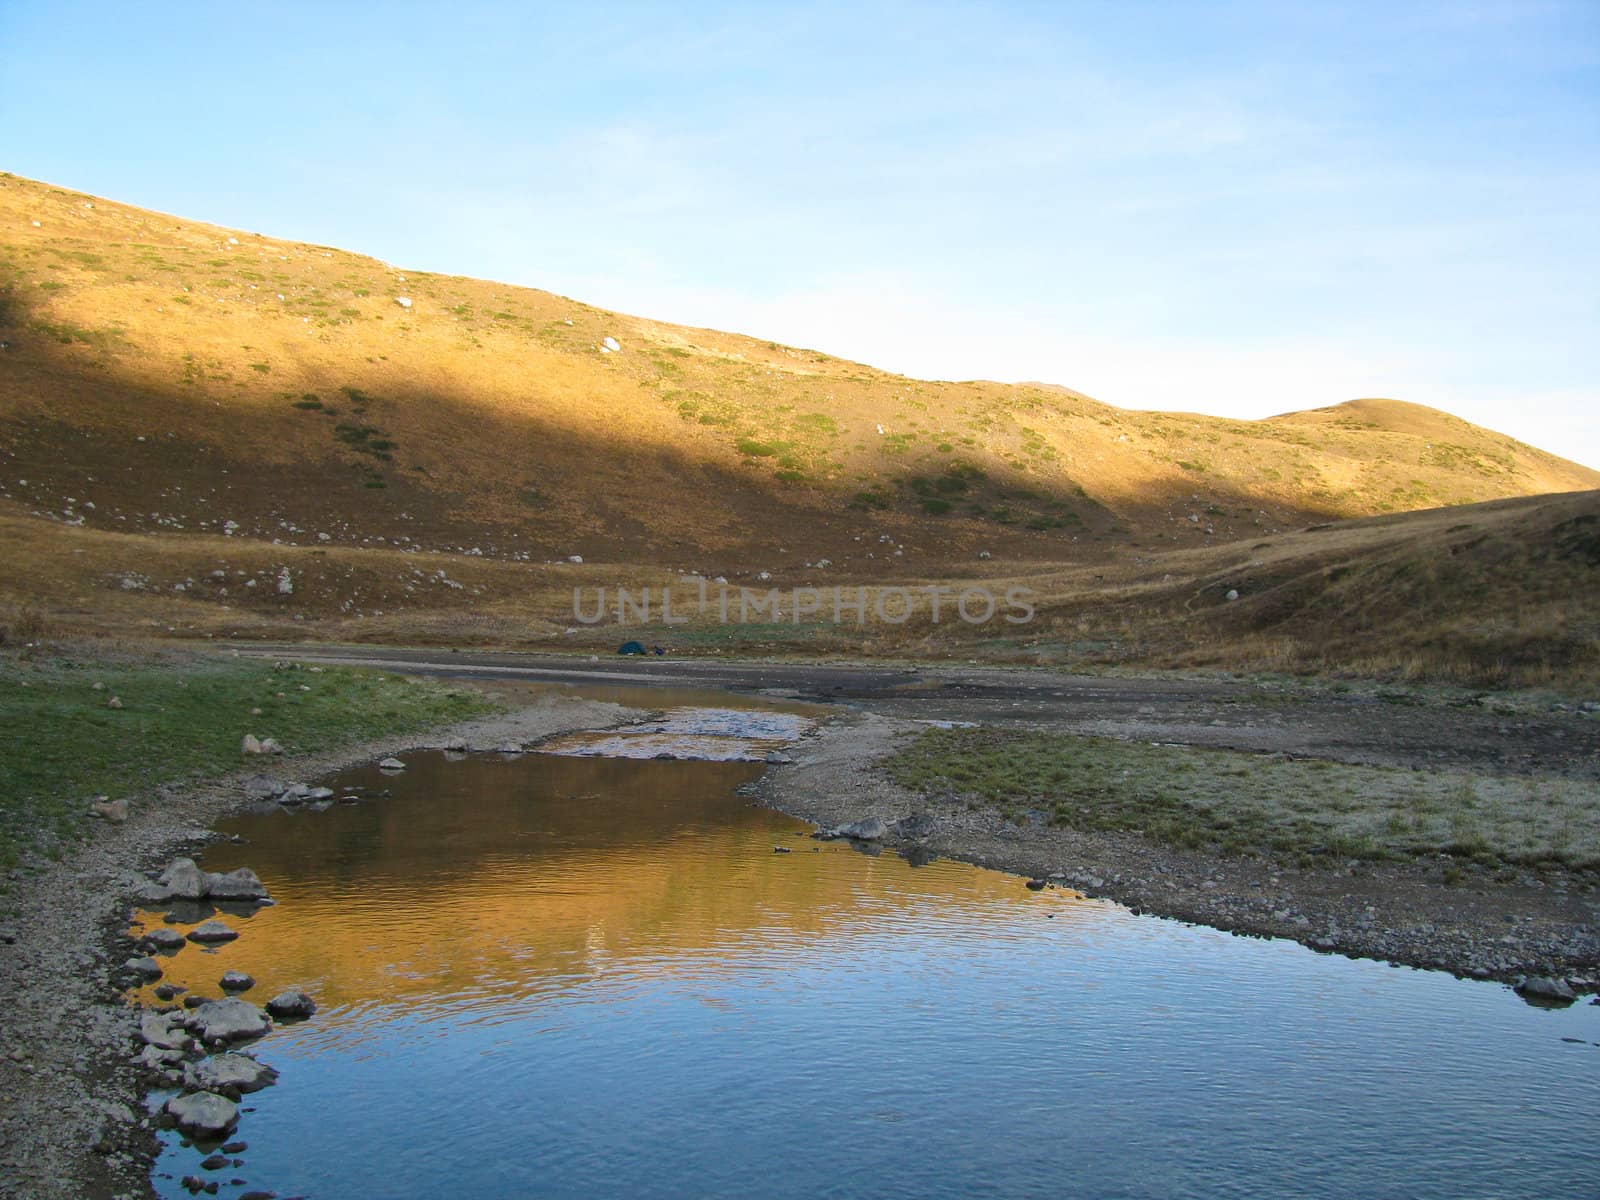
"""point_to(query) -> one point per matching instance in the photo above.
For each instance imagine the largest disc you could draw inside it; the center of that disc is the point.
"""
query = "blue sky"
(1237, 208)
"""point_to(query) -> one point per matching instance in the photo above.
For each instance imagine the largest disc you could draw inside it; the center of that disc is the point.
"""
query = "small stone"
(185, 881)
(114, 702)
(215, 1162)
(1036, 885)
(869, 829)
(391, 764)
(115, 811)
(231, 1074)
(212, 932)
(162, 938)
(236, 981)
(228, 1021)
(161, 1031)
(241, 884)
(1541, 987)
(263, 787)
(251, 745)
(781, 850)
(145, 968)
(203, 1114)
(291, 1003)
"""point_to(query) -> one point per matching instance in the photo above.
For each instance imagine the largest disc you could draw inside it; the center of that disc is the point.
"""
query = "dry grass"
(181, 400)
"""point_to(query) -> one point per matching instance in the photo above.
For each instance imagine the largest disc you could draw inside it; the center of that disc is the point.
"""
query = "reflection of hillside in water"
(485, 880)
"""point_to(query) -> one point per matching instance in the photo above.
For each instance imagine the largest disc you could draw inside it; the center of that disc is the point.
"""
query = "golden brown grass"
(163, 378)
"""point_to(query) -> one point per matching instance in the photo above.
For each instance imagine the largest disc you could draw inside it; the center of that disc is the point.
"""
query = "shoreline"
(75, 1125)
(1387, 911)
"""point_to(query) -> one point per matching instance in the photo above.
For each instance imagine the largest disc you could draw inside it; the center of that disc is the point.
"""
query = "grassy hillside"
(189, 412)
(180, 376)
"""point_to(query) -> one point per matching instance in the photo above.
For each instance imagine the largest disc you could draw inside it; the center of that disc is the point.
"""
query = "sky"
(1230, 208)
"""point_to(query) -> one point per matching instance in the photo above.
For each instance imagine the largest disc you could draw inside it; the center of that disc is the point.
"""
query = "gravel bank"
(1398, 913)
(73, 1125)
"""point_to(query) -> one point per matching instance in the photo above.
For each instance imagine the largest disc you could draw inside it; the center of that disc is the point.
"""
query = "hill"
(178, 399)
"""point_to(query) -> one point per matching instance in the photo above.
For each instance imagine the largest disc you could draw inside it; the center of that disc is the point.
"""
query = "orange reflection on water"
(492, 879)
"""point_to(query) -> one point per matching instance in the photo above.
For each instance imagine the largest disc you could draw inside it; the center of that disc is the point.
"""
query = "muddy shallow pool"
(543, 975)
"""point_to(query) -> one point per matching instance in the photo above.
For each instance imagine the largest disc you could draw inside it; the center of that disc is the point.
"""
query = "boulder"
(236, 981)
(236, 885)
(185, 881)
(211, 932)
(391, 764)
(230, 1074)
(230, 1020)
(203, 1114)
(145, 968)
(291, 1003)
(868, 829)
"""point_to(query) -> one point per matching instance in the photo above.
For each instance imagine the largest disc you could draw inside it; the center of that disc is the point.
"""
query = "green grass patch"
(1253, 804)
(60, 744)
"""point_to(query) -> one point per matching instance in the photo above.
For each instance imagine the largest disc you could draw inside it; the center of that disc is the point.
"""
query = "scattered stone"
(509, 748)
(230, 1020)
(162, 1031)
(185, 881)
(203, 1114)
(781, 850)
(216, 1162)
(917, 827)
(1036, 885)
(391, 764)
(457, 744)
(251, 745)
(231, 1074)
(166, 991)
(145, 968)
(195, 1000)
(264, 787)
(868, 829)
(212, 932)
(114, 702)
(241, 884)
(151, 894)
(291, 1003)
(611, 344)
(1233, 594)
(163, 938)
(1542, 987)
(236, 981)
(115, 811)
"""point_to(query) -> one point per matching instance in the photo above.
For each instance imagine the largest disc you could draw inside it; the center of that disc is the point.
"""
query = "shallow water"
(565, 976)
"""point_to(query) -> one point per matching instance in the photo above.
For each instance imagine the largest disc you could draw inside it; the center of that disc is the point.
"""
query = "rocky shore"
(1541, 935)
(76, 1060)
